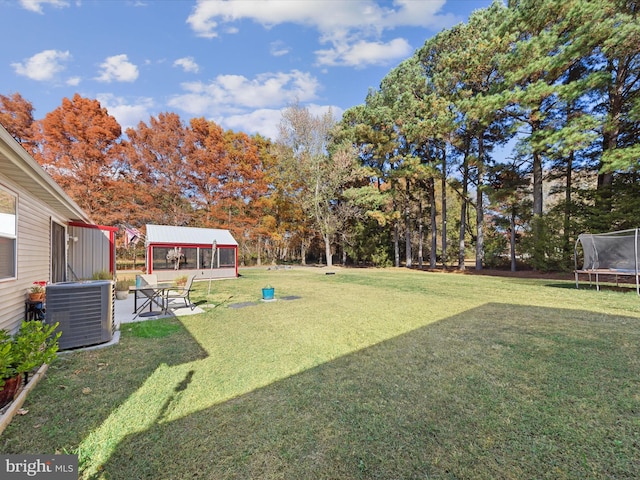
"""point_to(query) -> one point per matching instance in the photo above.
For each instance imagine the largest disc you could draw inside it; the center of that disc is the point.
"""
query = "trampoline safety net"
(613, 253)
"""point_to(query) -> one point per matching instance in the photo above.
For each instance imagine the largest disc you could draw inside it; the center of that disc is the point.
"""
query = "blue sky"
(238, 63)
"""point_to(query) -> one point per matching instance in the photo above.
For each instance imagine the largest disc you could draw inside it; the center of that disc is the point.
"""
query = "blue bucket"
(268, 293)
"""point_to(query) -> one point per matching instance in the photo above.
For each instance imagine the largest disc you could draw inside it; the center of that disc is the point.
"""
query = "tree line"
(516, 131)
(500, 139)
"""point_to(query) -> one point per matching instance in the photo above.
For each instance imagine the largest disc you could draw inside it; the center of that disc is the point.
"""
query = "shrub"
(101, 275)
(34, 345)
(123, 285)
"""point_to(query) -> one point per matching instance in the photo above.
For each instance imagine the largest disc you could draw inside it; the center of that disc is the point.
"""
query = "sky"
(237, 63)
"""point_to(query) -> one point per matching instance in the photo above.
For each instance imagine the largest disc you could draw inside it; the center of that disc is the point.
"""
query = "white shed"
(177, 251)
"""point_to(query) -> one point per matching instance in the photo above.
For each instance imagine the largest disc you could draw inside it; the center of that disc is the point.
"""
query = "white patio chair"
(182, 292)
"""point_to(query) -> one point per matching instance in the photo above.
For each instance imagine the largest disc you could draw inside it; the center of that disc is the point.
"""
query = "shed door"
(58, 253)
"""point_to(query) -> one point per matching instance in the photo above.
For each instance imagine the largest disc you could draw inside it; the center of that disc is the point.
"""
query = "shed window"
(205, 258)
(8, 237)
(192, 258)
(227, 257)
(165, 258)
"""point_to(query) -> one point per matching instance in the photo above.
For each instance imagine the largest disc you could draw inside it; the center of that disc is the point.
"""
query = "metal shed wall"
(91, 250)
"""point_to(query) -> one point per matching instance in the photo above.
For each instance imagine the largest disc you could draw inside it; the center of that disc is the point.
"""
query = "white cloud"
(251, 105)
(207, 16)
(363, 53)
(36, 5)
(127, 114)
(278, 49)
(263, 121)
(236, 93)
(43, 66)
(188, 64)
(266, 121)
(412, 13)
(73, 81)
(319, 110)
(353, 28)
(118, 68)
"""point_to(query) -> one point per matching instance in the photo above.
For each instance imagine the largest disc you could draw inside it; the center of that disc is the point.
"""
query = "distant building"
(177, 251)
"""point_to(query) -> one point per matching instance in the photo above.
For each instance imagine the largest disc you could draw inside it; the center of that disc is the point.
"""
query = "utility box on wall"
(84, 311)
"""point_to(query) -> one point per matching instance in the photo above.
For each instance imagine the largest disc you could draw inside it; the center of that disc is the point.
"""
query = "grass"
(369, 374)
(153, 329)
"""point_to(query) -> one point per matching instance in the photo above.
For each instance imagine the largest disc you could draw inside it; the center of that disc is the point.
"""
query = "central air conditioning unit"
(84, 311)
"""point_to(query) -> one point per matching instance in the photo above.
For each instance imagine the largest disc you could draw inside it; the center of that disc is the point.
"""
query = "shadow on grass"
(565, 286)
(500, 391)
(63, 408)
(605, 288)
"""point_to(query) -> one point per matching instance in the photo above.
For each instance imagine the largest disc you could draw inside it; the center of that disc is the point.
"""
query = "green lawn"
(368, 374)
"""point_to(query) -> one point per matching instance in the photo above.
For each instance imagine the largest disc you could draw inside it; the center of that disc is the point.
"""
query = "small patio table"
(150, 294)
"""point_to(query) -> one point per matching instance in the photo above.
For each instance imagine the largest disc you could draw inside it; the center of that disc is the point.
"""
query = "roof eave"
(47, 189)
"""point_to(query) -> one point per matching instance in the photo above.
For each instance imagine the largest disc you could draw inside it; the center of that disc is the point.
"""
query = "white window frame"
(8, 231)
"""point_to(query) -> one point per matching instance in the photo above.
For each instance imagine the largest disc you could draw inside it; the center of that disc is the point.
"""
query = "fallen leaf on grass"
(22, 411)
(86, 390)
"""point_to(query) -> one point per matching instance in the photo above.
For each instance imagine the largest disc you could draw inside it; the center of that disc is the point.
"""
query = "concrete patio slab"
(123, 311)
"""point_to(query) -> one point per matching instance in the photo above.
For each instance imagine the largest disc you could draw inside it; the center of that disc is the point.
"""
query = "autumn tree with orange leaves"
(156, 163)
(16, 115)
(79, 146)
(164, 172)
(227, 179)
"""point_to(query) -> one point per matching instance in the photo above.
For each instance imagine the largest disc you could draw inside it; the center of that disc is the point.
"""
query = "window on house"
(8, 234)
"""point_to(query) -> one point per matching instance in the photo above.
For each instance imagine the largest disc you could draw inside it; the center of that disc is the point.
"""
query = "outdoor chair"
(182, 292)
(145, 279)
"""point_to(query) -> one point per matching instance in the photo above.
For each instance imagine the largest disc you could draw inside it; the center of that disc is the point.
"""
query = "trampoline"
(613, 253)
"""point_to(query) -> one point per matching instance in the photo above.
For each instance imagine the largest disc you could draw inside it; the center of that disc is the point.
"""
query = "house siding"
(40, 201)
(33, 254)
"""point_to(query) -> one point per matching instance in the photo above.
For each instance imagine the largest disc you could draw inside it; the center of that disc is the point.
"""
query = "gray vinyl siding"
(33, 254)
(39, 202)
